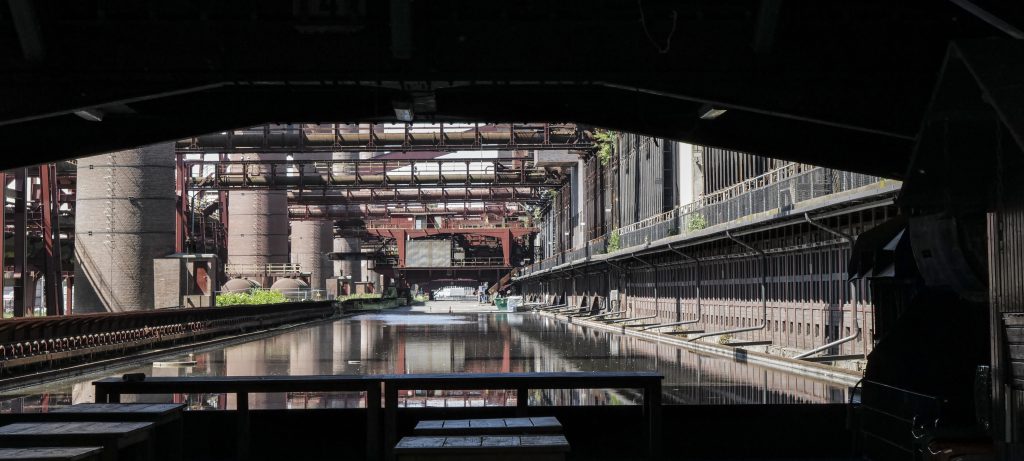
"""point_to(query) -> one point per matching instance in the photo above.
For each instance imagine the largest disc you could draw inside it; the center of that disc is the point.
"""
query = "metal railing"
(271, 269)
(778, 190)
(110, 390)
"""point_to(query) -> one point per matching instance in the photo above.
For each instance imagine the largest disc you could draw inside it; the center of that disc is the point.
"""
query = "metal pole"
(49, 195)
(22, 301)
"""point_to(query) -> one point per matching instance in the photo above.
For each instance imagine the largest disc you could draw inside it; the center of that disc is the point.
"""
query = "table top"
(48, 453)
(147, 408)
(57, 429)
(483, 443)
(491, 423)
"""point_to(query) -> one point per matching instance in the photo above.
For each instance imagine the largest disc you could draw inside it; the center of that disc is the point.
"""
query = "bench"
(51, 454)
(495, 426)
(166, 418)
(112, 436)
(489, 447)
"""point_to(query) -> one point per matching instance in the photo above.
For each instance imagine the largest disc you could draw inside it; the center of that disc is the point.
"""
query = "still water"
(457, 343)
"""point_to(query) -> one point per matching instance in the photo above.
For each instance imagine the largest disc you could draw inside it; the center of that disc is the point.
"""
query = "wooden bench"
(495, 426)
(476, 447)
(166, 417)
(168, 429)
(51, 454)
(112, 436)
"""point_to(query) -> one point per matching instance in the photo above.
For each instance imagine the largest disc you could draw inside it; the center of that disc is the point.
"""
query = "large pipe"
(342, 138)
(854, 289)
(764, 294)
(509, 194)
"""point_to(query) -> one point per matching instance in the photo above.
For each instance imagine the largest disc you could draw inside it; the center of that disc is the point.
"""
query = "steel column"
(22, 298)
(50, 197)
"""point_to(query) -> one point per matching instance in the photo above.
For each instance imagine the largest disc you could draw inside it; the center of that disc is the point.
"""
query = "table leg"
(373, 423)
(522, 402)
(242, 406)
(390, 419)
(652, 408)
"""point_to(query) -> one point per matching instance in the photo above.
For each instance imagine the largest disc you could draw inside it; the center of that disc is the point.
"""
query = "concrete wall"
(124, 218)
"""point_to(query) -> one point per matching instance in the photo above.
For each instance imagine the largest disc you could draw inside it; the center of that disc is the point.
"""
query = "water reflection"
(468, 343)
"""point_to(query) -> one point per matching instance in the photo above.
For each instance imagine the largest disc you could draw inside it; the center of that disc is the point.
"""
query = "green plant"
(605, 141)
(613, 241)
(249, 298)
(696, 222)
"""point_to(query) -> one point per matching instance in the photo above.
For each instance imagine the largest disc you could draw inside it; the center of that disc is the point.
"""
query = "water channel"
(455, 343)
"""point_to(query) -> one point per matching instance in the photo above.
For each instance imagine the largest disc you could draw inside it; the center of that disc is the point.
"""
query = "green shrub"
(250, 298)
(605, 141)
(696, 222)
(613, 241)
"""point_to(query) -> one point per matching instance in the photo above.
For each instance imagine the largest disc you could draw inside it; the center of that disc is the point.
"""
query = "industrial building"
(740, 229)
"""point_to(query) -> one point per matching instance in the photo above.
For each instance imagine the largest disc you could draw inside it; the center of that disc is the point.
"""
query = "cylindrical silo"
(311, 241)
(258, 229)
(348, 267)
(124, 217)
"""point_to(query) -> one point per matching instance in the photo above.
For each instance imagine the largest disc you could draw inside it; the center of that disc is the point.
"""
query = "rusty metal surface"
(31, 340)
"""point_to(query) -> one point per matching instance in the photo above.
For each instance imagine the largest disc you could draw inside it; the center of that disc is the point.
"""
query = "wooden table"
(109, 390)
(490, 426)
(51, 454)
(112, 436)
(166, 417)
(649, 382)
(492, 448)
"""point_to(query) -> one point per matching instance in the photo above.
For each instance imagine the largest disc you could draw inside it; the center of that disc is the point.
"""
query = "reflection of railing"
(776, 191)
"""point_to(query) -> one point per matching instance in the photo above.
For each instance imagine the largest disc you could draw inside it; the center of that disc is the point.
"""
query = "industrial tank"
(349, 267)
(258, 225)
(124, 218)
(311, 241)
(239, 286)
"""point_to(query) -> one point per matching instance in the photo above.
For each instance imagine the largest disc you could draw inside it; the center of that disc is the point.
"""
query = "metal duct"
(124, 218)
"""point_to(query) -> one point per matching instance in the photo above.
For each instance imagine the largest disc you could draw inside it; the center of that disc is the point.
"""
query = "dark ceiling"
(843, 84)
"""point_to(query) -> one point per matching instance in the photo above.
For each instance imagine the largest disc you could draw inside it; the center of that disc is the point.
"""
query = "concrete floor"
(446, 307)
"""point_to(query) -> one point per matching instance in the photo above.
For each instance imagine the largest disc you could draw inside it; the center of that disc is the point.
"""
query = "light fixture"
(403, 109)
(92, 115)
(709, 112)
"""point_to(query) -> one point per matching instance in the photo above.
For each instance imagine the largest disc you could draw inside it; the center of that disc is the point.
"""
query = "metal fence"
(779, 190)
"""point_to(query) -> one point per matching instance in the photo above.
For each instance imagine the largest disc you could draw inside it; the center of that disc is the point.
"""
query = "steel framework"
(375, 137)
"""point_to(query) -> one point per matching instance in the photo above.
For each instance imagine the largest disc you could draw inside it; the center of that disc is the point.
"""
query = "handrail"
(704, 205)
(111, 389)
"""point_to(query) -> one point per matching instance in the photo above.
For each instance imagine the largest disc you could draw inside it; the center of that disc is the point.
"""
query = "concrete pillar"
(124, 218)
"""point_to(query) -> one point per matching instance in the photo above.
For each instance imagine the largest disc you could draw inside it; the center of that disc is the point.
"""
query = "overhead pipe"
(389, 138)
(764, 294)
(684, 322)
(854, 290)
